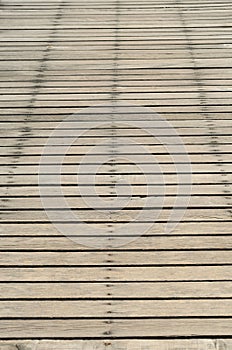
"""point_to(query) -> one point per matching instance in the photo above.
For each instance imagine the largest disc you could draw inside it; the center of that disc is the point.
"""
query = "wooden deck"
(127, 60)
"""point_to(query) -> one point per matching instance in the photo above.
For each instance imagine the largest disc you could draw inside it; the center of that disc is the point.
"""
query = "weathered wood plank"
(108, 215)
(183, 228)
(12, 190)
(121, 308)
(103, 180)
(155, 258)
(122, 168)
(146, 141)
(75, 159)
(133, 202)
(110, 290)
(105, 328)
(167, 344)
(108, 274)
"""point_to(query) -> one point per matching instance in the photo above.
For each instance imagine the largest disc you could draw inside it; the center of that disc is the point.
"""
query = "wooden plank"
(175, 98)
(181, 111)
(153, 258)
(83, 150)
(122, 168)
(133, 202)
(111, 290)
(109, 274)
(41, 129)
(110, 216)
(167, 344)
(105, 328)
(12, 190)
(104, 180)
(74, 159)
(183, 228)
(143, 140)
(160, 105)
(37, 125)
(122, 308)
(170, 114)
(131, 86)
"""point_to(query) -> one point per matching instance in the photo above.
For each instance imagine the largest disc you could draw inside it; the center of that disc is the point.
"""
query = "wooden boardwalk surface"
(113, 62)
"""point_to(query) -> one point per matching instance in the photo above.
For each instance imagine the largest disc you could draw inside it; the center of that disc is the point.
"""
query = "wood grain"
(194, 344)
(145, 293)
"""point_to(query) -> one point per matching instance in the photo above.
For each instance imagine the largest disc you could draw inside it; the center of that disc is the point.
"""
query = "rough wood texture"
(60, 57)
(195, 344)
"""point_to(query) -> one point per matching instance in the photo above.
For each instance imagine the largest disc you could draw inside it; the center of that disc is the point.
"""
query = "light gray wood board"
(18, 158)
(159, 242)
(132, 202)
(183, 228)
(108, 274)
(103, 328)
(11, 190)
(121, 308)
(125, 258)
(216, 139)
(110, 216)
(171, 344)
(122, 168)
(111, 290)
(104, 180)
(122, 149)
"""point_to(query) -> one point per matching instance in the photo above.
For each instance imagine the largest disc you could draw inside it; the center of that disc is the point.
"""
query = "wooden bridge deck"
(127, 59)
